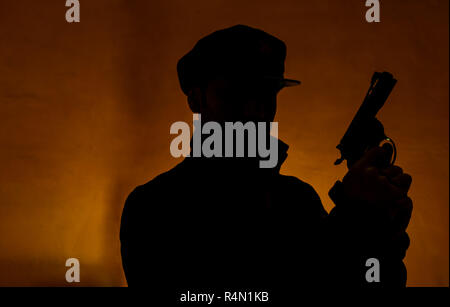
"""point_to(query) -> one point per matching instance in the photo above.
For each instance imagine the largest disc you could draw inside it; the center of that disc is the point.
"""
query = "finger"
(376, 156)
(402, 181)
(401, 242)
(403, 211)
(392, 171)
(390, 191)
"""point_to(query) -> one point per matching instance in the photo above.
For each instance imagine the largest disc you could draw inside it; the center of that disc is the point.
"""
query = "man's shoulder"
(300, 195)
(296, 185)
(171, 179)
(156, 192)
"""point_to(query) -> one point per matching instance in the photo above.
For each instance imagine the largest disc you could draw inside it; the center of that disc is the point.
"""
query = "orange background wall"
(85, 112)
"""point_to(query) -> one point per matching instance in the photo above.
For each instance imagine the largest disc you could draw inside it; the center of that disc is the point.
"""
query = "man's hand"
(382, 187)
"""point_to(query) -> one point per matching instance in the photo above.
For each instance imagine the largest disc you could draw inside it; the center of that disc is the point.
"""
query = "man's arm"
(369, 221)
(129, 228)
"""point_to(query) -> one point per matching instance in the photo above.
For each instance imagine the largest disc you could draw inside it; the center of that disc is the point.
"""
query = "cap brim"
(290, 82)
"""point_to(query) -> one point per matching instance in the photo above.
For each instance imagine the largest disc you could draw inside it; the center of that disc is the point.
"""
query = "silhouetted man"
(226, 222)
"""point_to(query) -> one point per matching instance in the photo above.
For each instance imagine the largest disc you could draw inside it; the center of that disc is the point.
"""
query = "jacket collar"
(238, 164)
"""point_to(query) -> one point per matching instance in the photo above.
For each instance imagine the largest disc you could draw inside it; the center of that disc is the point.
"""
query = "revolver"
(365, 130)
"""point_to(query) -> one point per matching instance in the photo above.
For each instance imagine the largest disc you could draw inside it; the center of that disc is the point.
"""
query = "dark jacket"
(224, 222)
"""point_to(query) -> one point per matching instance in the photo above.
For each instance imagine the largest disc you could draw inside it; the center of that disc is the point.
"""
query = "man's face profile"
(236, 99)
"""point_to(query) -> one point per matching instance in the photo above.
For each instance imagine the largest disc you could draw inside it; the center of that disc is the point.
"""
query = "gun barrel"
(380, 88)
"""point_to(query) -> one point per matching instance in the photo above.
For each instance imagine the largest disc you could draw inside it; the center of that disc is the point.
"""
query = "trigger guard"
(394, 154)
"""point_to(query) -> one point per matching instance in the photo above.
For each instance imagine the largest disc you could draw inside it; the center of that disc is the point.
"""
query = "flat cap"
(239, 51)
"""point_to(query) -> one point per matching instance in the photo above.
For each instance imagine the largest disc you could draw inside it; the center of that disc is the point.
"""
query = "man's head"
(234, 75)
